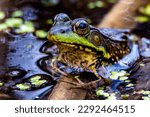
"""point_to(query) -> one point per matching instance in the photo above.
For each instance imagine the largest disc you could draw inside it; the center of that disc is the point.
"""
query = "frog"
(96, 50)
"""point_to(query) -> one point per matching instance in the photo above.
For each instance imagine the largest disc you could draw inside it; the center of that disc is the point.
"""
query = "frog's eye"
(62, 17)
(81, 27)
(95, 38)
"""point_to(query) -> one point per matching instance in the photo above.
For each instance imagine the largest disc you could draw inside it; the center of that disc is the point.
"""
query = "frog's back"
(115, 34)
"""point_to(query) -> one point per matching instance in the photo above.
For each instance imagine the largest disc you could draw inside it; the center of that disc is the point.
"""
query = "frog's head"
(76, 33)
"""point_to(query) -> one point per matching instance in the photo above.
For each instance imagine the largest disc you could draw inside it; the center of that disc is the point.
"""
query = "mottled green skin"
(95, 49)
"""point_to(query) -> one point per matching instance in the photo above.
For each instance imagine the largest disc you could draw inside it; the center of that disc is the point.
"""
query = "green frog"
(95, 50)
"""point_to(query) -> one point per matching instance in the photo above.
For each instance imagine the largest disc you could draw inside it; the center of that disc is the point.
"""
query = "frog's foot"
(88, 85)
(55, 69)
(92, 84)
(81, 85)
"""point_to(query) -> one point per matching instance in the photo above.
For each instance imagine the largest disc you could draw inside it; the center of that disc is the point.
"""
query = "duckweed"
(141, 19)
(96, 4)
(49, 21)
(127, 81)
(1, 84)
(145, 92)
(142, 65)
(145, 98)
(123, 78)
(39, 82)
(99, 92)
(35, 78)
(145, 17)
(3, 26)
(41, 33)
(125, 96)
(23, 86)
(2, 15)
(14, 22)
(17, 13)
(112, 1)
(145, 10)
(115, 74)
(130, 85)
(105, 94)
(99, 4)
(111, 97)
(27, 27)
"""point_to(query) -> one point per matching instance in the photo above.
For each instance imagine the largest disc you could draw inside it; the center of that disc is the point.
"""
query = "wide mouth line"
(78, 45)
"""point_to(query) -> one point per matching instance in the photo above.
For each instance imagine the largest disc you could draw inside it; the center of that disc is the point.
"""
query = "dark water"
(22, 63)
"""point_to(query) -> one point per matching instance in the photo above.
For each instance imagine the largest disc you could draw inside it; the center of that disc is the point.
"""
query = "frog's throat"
(84, 46)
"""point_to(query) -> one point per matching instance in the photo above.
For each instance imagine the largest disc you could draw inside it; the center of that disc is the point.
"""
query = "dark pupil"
(82, 25)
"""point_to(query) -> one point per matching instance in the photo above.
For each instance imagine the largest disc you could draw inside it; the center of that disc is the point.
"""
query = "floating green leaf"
(99, 92)
(39, 82)
(145, 92)
(35, 78)
(14, 22)
(111, 97)
(27, 27)
(112, 1)
(125, 96)
(23, 86)
(3, 26)
(123, 78)
(145, 10)
(96, 4)
(2, 15)
(99, 4)
(41, 33)
(91, 5)
(105, 94)
(146, 98)
(49, 21)
(130, 85)
(142, 19)
(1, 84)
(17, 13)
(142, 65)
(115, 74)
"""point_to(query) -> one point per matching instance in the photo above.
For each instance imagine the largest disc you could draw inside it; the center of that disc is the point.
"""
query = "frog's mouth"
(77, 47)
(75, 41)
